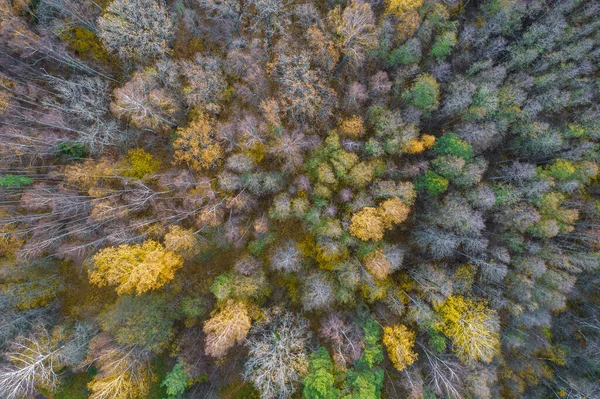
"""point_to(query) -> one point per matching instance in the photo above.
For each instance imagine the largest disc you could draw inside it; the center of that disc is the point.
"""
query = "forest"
(299, 199)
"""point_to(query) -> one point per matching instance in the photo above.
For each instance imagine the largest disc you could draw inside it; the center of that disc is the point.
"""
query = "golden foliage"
(394, 211)
(399, 342)
(377, 264)
(399, 7)
(410, 21)
(368, 224)
(406, 11)
(181, 241)
(323, 48)
(352, 126)
(140, 163)
(415, 146)
(225, 328)
(271, 112)
(134, 268)
(121, 375)
(95, 176)
(10, 241)
(196, 146)
(472, 328)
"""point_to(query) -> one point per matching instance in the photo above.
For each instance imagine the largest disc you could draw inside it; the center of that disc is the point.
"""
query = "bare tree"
(36, 361)
(287, 258)
(356, 29)
(270, 17)
(137, 29)
(277, 358)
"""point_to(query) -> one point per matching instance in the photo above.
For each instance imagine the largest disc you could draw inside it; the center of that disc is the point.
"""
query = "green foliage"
(74, 386)
(424, 94)
(319, 383)
(432, 183)
(145, 320)
(72, 150)
(364, 384)
(222, 287)
(176, 381)
(372, 348)
(443, 45)
(436, 340)
(450, 144)
(15, 181)
(257, 247)
(85, 44)
(408, 53)
(31, 285)
(194, 307)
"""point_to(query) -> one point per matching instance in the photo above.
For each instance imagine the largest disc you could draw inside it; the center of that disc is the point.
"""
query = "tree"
(227, 327)
(368, 224)
(319, 383)
(34, 361)
(408, 53)
(366, 380)
(355, 27)
(377, 264)
(123, 373)
(443, 45)
(205, 82)
(287, 258)
(134, 268)
(472, 328)
(399, 342)
(144, 103)
(352, 127)
(399, 7)
(145, 321)
(196, 145)
(304, 93)
(318, 293)
(394, 210)
(176, 381)
(140, 164)
(344, 337)
(451, 144)
(270, 17)
(424, 93)
(277, 358)
(182, 242)
(432, 183)
(137, 29)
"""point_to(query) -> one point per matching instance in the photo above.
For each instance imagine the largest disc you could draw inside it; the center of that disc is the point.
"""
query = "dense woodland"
(261, 199)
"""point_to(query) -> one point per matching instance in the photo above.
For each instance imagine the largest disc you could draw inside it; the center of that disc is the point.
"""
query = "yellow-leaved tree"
(407, 13)
(399, 342)
(399, 7)
(182, 242)
(196, 146)
(123, 372)
(227, 326)
(472, 327)
(134, 268)
(370, 223)
(377, 264)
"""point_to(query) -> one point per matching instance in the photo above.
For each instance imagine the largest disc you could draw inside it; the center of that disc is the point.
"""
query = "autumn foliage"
(134, 268)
